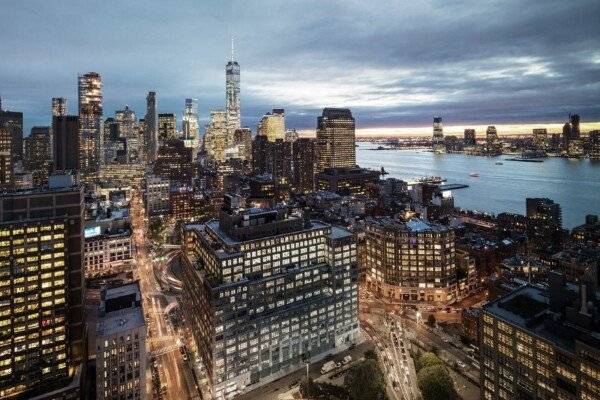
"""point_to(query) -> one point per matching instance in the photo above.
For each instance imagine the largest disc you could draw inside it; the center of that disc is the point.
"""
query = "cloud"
(396, 63)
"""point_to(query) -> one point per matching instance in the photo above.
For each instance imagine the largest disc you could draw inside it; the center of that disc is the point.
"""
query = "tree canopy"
(365, 381)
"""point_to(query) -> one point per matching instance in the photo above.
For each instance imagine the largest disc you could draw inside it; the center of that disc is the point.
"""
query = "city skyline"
(517, 68)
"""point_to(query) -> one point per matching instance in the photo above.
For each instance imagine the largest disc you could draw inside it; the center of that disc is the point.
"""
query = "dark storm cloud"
(394, 63)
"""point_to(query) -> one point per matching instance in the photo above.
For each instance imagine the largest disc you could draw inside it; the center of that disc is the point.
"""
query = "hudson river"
(574, 184)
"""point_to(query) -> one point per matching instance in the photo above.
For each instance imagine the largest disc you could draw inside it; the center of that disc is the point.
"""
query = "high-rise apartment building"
(216, 136)
(272, 125)
(7, 170)
(575, 131)
(470, 138)
(410, 261)
(65, 143)
(541, 342)
(59, 107)
(151, 132)
(167, 127)
(232, 95)
(121, 344)
(265, 289)
(242, 142)
(12, 123)
(335, 139)
(303, 165)
(38, 154)
(42, 327)
(90, 122)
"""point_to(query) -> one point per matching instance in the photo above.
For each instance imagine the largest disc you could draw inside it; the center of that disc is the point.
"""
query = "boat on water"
(536, 160)
(474, 175)
(499, 163)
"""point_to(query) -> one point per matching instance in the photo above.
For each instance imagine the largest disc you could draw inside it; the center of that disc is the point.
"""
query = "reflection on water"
(574, 184)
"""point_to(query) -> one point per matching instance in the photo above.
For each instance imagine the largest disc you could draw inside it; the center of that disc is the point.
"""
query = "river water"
(574, 184)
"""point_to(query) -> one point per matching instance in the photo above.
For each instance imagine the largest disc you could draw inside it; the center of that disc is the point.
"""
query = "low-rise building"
(348, 180)
(107, 248)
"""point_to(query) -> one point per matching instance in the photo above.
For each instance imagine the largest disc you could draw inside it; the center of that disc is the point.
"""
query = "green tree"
(427, 360)
(431, 320)
(365, 381)
(435, 383)
(308, 388)
(370, 355)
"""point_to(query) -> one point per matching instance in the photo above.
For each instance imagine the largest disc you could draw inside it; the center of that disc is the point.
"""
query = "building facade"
(42, 328)
(59, 107)
(410, 261)
(540, 343)
(232, 96)
(107, 252)
(151, 124)
(335, 139)
(121, 344)
(303, 165)
(90, 122)
(272, 125)
(264, 290)
(157, 195)
(65, 143)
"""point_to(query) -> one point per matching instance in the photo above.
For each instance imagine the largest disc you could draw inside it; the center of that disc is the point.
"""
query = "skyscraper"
(575, 132)
(151, 133)
(12, 122)
(232, 94)
(216, 136)
(65, 142)
(438, 135)
(90, 118)
(492, 141)
(303, 151)
(6, 159)
(470, 137)
(59, 106)
(38, 154)
(167, 127)
(335, 139)
(42, 327)
(272, 125)
(189, 123)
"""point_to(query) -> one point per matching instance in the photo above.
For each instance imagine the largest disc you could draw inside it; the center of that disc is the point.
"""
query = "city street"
(175, 376)
(371, 310)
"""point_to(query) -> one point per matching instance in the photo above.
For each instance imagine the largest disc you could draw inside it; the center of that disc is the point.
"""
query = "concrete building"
(121, 344)
(167, 127)
(303, 165)
(7, 161)
(42, 328)
(264, 289)
(347, 181)
(12, 123)
(470, 138)
(157, 195)
(335, 139)
(541, 343)
(107, 248)
(65, 143)
(411, 261)
(38, 154)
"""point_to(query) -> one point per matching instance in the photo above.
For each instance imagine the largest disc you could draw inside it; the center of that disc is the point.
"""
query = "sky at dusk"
(395, 64)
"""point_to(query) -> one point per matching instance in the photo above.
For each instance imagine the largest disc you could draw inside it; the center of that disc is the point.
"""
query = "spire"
(232, 52)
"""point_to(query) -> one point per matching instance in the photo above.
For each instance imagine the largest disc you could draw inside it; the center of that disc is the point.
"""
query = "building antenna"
(232, 49)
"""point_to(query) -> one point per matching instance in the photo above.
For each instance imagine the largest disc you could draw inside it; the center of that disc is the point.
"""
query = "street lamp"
(418, 315)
